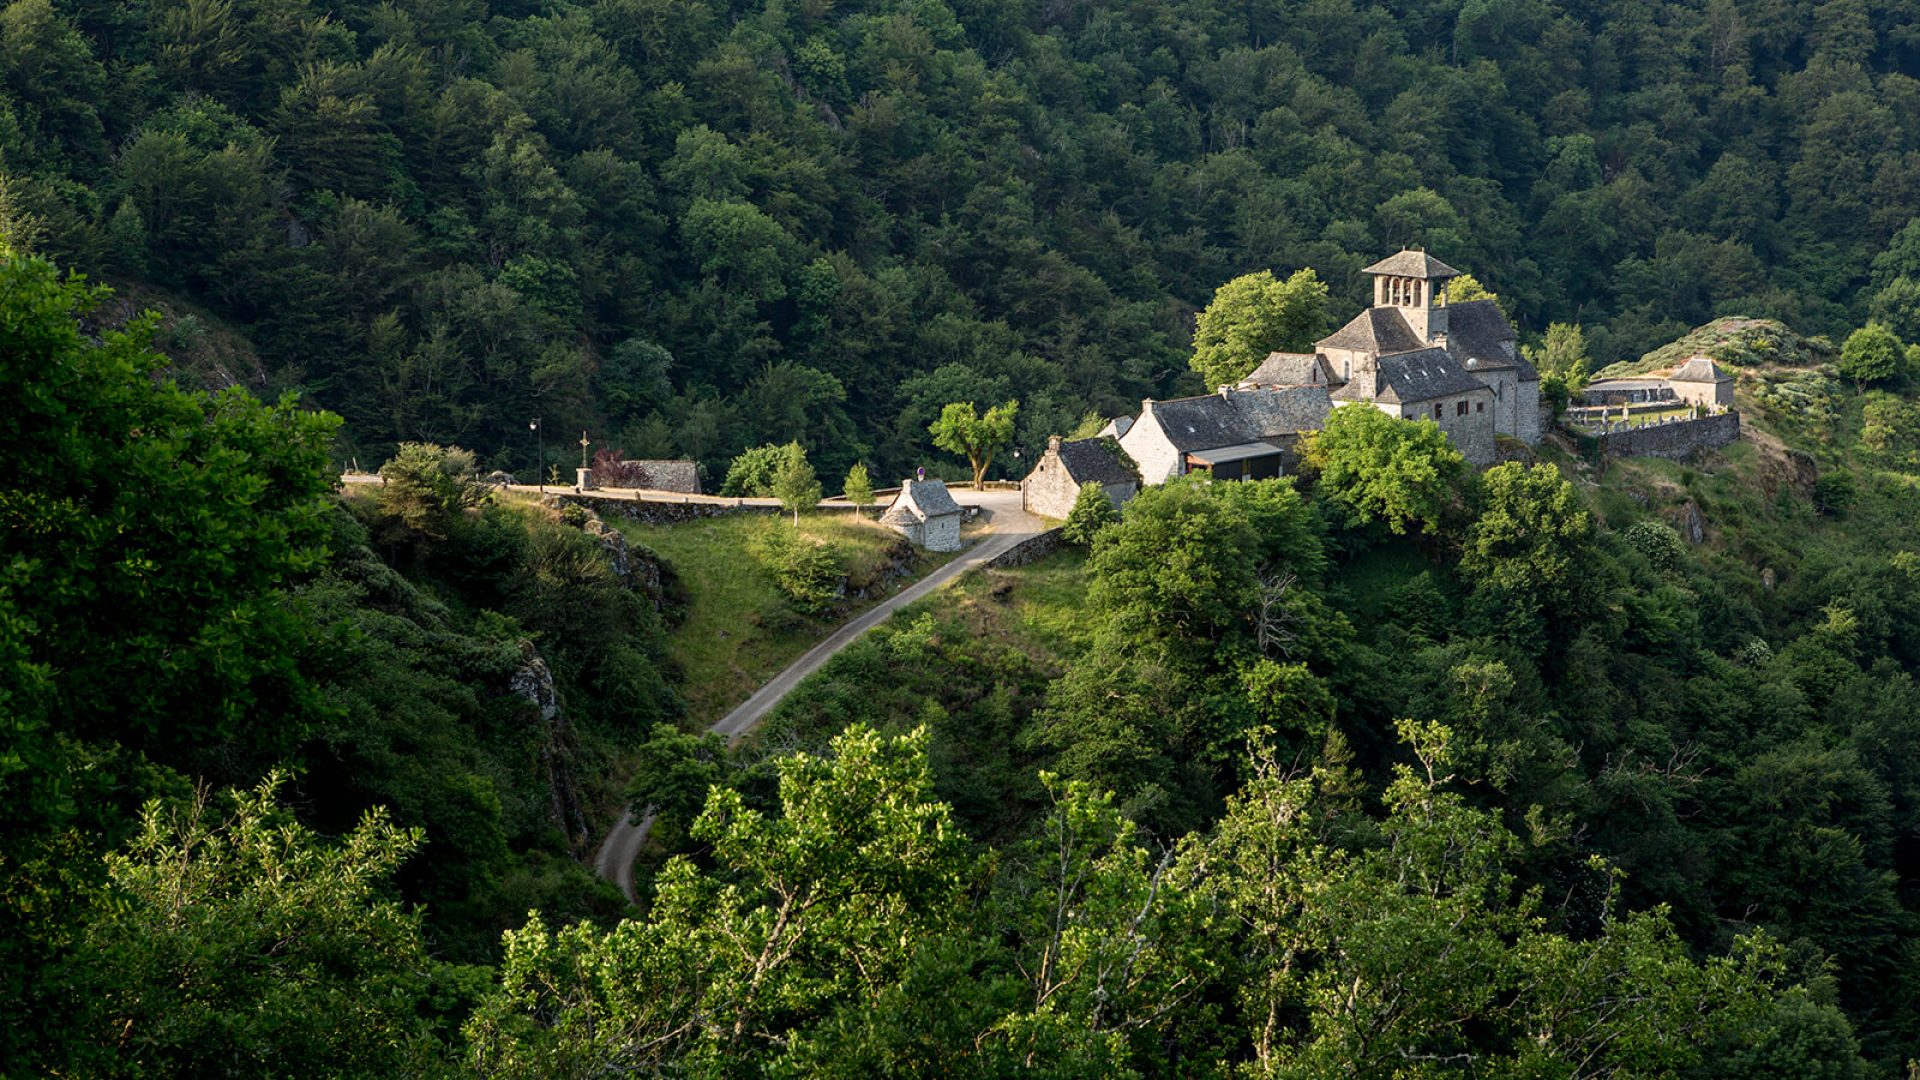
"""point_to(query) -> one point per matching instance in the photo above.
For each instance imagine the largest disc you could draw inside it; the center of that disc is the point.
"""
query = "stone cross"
(584, 443)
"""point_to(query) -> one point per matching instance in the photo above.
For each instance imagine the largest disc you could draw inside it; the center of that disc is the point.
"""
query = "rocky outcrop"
(532, 682)
(638, 568)
(1692, 524)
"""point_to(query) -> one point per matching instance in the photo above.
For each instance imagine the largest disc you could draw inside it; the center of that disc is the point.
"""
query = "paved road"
(1010, 524)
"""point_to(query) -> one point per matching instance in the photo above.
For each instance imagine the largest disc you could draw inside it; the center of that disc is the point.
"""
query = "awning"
(1220, 455)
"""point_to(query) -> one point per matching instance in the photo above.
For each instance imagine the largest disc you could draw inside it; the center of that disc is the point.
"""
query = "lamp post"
(539, 454)
(1016, 463)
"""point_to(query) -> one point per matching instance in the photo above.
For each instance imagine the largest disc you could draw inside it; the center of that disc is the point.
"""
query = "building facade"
(924, 512)
(1053, 486)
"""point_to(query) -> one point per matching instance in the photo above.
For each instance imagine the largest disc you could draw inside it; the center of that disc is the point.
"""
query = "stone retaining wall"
(658, 513)
(1032, 549)
(1681, 439)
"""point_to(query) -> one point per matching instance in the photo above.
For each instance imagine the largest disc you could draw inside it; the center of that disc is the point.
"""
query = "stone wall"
(1032, 549)
(1049, 490)
(679, 477)
(1680, 439)
(658, 513)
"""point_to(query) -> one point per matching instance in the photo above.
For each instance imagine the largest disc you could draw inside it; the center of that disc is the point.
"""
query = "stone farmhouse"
(924, 512)
(1411, 355)
(1053, 486)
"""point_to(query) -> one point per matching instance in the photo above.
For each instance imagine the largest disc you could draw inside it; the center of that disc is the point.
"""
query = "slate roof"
(1116, 427)
(1412, 264)
(1377, 330)
(1415, 376)
(920, 500)
(1241, 416)
(1290, 369)
(1700, 369)
(1098, 459)
(1479, 335)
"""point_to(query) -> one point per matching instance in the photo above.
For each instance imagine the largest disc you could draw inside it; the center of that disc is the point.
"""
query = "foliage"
(857, 488)
(962, 430)
(808, 908)
(425, 488)
(1253, 315)
(752, 473)
(808, 573)
(794, 482)
(1531, 542)
(1092, 512)
(1378, 468)
(250, 946)
(1562, 355)
(1871, 354)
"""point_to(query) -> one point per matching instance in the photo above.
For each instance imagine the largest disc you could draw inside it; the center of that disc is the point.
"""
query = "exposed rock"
(1693, 524)
(1767, 579)
(532, 682)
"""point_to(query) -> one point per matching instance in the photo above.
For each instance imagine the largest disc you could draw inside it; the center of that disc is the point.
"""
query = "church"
(1412, 355)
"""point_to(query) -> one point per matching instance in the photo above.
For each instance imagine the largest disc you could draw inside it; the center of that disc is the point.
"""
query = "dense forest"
(691, 228)
(1567, 768)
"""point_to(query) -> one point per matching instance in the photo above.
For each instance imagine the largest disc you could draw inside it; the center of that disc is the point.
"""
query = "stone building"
(680, 477)
(1234, 434)
(924, 512)
(1053, 486)
(1702, 382)
(1412, 355)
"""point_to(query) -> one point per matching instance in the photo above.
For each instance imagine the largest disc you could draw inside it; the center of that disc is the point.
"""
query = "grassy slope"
(739, 631)
(971, 662)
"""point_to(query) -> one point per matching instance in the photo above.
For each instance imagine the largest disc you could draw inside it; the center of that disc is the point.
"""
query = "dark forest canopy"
(696, 227)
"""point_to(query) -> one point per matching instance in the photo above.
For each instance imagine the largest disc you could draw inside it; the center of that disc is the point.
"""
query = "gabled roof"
(920, 500)
(1700, 369)
(1116, 427)
(1239, 416)
(1412, 264)
(1479, 335)
(1098, 459)
(1377, 330)
(1416, 376)
(1290, 369)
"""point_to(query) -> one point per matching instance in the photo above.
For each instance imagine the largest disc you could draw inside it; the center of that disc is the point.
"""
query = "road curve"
(1011, 525)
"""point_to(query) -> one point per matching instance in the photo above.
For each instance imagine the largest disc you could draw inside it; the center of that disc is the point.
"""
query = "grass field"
(738, 630)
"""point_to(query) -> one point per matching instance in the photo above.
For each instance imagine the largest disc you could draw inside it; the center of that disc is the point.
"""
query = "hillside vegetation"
(695, 226)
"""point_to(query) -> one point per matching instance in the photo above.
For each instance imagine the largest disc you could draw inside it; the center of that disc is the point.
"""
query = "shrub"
(807, 572)
(751, 474)
(1092, 512)
(1657, 541)
(427, 486)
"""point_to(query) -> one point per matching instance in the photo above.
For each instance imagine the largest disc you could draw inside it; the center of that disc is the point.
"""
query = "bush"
(808, 573)
(1657, 541)
(1092, 512)
(428, 486)
(752, 473)
(1834, 492)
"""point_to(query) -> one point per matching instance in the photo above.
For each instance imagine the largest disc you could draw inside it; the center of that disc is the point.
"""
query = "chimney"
(1053, 444)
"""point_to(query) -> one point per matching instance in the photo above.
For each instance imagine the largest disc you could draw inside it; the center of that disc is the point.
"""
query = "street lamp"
(539, 453)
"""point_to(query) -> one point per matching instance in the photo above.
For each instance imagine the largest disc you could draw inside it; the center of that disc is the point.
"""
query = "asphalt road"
(1010, 525)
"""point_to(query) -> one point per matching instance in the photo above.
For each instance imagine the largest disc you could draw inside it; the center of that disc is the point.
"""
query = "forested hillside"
(694, 227)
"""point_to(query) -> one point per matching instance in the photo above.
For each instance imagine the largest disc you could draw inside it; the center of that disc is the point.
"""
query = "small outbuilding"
(924, 512)
(1702, 382)
(1053, 486)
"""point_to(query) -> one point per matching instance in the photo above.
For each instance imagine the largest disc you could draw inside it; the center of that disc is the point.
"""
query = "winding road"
(1010, 525)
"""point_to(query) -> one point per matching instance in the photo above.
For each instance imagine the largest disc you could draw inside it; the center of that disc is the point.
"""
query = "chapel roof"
(1700, 369)
(1412, 264)
(920, 500)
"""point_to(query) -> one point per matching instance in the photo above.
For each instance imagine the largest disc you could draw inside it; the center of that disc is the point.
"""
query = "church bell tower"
(1415, 283)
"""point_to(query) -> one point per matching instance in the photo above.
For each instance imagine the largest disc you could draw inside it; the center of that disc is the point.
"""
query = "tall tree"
(962, 430)
(1253, 315)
